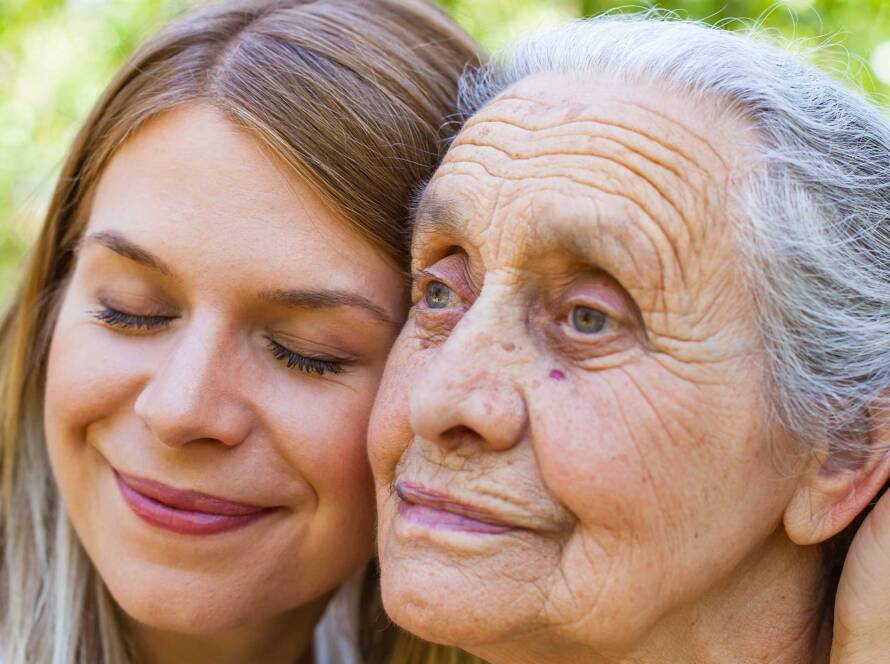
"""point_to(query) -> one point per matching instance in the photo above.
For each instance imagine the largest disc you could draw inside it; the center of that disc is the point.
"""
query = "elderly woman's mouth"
(434, 509)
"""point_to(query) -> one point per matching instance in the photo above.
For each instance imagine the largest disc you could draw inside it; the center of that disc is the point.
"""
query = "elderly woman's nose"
(469, 392)
(195, 392)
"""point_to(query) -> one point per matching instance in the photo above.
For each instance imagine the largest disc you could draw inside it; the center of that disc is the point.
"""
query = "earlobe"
(831, 494)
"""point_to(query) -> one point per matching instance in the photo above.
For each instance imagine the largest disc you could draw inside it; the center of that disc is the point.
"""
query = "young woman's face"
(210, 379)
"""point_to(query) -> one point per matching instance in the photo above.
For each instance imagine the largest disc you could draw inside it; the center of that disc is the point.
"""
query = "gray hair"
(817, 246)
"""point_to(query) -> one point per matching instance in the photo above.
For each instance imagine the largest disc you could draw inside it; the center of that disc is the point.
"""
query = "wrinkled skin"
(202, 403)
(862, 610)
(637, 491)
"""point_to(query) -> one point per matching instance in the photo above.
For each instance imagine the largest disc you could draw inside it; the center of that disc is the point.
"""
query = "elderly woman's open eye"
(588, 321)
(437, 295)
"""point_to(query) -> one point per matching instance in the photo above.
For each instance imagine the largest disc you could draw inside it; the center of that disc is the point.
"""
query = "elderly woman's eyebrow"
(434, 216)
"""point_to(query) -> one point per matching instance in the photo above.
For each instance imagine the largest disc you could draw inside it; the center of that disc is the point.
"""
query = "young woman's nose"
(468, 392)
(195, 392)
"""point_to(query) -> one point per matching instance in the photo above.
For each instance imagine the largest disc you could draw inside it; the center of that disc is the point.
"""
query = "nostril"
(458, 434)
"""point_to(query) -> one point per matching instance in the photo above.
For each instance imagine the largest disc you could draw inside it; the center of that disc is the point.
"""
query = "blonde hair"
(350, 96)
(410, 649)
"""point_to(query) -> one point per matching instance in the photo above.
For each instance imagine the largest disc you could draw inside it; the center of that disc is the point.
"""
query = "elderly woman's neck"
(772, 608)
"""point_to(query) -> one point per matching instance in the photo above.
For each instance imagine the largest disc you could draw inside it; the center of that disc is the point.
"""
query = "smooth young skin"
(195, 227)
(581, 369)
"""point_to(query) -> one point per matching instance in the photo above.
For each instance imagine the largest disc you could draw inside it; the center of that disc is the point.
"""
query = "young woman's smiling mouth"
(184, 511)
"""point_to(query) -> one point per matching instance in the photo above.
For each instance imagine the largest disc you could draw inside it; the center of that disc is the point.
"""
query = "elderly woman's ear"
(836, 487)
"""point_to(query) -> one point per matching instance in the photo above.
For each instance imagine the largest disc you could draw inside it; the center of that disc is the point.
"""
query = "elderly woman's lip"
(433, 508)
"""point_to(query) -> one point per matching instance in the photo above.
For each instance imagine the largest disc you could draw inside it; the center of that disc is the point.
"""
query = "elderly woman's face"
(569, 444)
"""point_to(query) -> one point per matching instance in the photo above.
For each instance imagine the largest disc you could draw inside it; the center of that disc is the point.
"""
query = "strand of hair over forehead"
(816, 202)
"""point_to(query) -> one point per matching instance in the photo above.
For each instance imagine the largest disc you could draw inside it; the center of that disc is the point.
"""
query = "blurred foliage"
(56, 55)
(55, 58)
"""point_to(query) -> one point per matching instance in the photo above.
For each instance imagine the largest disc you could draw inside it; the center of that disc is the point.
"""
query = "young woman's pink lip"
(182, 510)
(435, 509)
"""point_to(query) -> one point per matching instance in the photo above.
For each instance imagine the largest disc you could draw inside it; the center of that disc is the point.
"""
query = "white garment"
(336, 636)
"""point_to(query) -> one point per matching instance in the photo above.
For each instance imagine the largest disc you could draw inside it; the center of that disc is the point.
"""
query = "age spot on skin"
(508, 346)
(575, 111)
(556, 374)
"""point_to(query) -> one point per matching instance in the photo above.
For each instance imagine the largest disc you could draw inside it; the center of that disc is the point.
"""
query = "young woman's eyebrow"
(122, 246)
(326, 298)
(310, 298)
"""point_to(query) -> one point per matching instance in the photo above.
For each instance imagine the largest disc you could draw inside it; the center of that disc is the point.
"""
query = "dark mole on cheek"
(556, 374)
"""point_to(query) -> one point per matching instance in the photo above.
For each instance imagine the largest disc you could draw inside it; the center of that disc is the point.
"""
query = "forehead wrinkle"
(701, 138)
(534, 145)
(663, 154)
(468, 138)
(555, 117)
(626, 123)
(469, 168)
(650, 214)
(531, 155)
(662, 178)
(575, 235)
(584, 233)
(643, 205)
(503, 177)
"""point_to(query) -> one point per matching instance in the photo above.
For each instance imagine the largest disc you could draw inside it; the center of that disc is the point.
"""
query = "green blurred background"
(56, 55)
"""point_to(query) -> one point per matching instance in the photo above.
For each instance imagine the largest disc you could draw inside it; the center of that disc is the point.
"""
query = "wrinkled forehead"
(574, 163)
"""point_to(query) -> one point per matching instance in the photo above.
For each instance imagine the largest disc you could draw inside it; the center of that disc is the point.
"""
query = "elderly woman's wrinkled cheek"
(605, 499)
(657, 463)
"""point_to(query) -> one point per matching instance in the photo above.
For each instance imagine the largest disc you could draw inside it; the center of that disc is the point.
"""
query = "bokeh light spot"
(798, 5)
(880, 62)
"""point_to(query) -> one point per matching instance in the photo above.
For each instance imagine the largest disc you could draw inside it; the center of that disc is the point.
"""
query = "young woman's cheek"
(90, 375)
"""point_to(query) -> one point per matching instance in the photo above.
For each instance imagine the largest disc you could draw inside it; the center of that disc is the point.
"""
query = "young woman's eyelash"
(120, 319)
(311, 365)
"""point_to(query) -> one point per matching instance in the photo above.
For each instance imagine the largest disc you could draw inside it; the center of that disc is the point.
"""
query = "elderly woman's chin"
(427, 594)
(441, 602)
